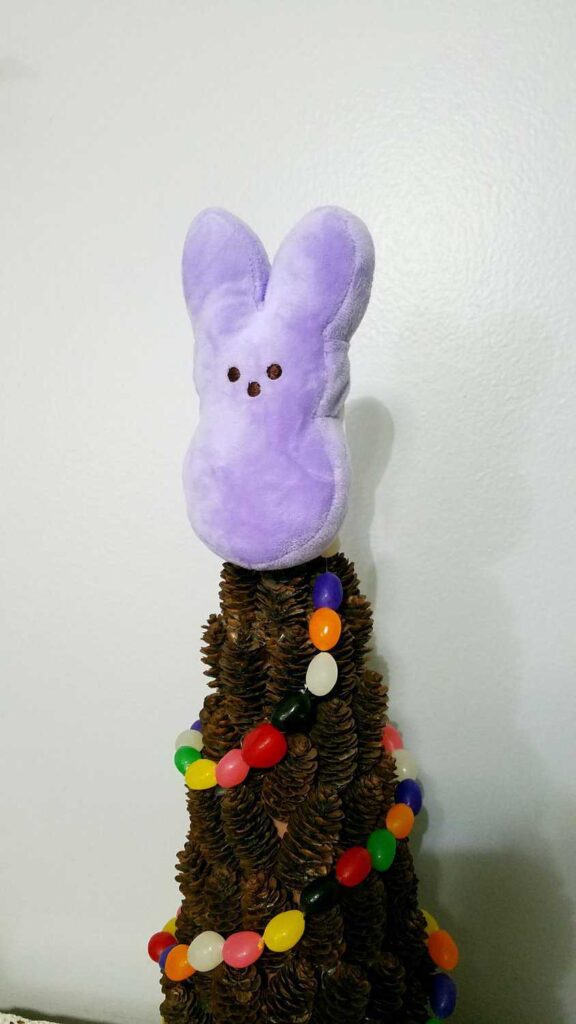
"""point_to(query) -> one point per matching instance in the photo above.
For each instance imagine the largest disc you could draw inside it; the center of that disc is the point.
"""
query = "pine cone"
(388, 984)
(334, 736)
(236, 995)
(262, 898)
(364, 910)
(363, 803)
(309, 846)
(237, 594)
(206, 826)
(291, 992)
(219, 735)
(359, 621)
(213, 637)
(369, 707)
(288, 657)
(248, 829)
(288, 783)
(242, 678)
(181, 1005)
(343, 996)
(323, 941)
(345, 654)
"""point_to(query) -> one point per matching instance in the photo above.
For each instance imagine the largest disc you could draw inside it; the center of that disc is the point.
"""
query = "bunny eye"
(233, 374)
(274, 371)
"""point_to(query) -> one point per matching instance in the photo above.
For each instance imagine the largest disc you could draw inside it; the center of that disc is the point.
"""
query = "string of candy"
(265, 746)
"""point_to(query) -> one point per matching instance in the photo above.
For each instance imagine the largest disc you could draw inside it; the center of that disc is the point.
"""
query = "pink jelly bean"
(242, 949)
(392, 739)
(231, 770)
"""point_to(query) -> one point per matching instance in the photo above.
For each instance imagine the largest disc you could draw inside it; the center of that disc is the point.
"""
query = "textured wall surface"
(450, 127)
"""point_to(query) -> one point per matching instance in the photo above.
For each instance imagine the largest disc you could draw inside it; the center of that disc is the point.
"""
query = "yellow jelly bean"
(284, 931)
(431, 923)
(201, 774)
(170, 926)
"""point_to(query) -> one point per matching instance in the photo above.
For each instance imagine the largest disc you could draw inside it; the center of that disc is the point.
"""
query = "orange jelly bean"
(400, 820)
(177, 967)
(325, 628)
(443, 950)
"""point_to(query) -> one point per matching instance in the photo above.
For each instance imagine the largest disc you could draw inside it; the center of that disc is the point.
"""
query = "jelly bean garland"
(265, 746)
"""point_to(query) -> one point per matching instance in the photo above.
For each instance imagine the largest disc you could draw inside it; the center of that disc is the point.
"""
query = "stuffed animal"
(266, 476)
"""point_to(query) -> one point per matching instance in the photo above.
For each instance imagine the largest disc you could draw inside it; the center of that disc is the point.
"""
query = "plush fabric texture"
(266, 476)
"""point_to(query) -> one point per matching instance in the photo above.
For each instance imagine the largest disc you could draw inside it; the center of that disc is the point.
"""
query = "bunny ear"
(224, 271)
(322, 274)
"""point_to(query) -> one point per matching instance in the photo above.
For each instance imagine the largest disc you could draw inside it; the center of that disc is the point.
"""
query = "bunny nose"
(253, 388)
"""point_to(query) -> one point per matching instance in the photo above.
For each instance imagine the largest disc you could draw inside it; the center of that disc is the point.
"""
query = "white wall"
(450, 127)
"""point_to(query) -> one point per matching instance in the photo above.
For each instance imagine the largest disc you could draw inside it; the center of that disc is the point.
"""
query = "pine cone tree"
(364, 959)
(308, 849)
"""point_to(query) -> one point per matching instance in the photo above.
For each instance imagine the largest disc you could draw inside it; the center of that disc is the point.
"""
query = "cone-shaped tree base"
(366, 958)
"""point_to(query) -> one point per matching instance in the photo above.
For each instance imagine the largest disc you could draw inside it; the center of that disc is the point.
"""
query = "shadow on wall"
(34, 1015)
(510, 916)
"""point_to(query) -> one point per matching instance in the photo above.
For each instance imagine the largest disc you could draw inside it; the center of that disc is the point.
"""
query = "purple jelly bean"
(197, 725)
(328, 591)
(163, 955)
(442, 996)
(408, 792)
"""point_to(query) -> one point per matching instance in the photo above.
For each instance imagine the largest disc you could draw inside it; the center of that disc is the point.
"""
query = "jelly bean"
(433, 1020)
(381, 847)
(322, 674)
(294, 713)
(353, 866)
(205, 951)
(190, 738)
(319, 895)
(164, 954)
(325, 627)
(231, 770)
(328, 591)
(443, 950)
(442, 996)
(176, 966)
(197, 725)
(284, 931)
(170, 926)
(242, 949)
(158, 943)
(406, 767)
(201, 774)
(264, 746)
(392, 739)
(431, 922)
(184, 757)
(408, 792)
(400, 820)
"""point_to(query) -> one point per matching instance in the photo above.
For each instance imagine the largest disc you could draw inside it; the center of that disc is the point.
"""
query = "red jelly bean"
(353, 866)
(264, 746)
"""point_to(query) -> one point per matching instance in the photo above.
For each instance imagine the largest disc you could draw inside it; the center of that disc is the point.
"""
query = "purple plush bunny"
(267, 475)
